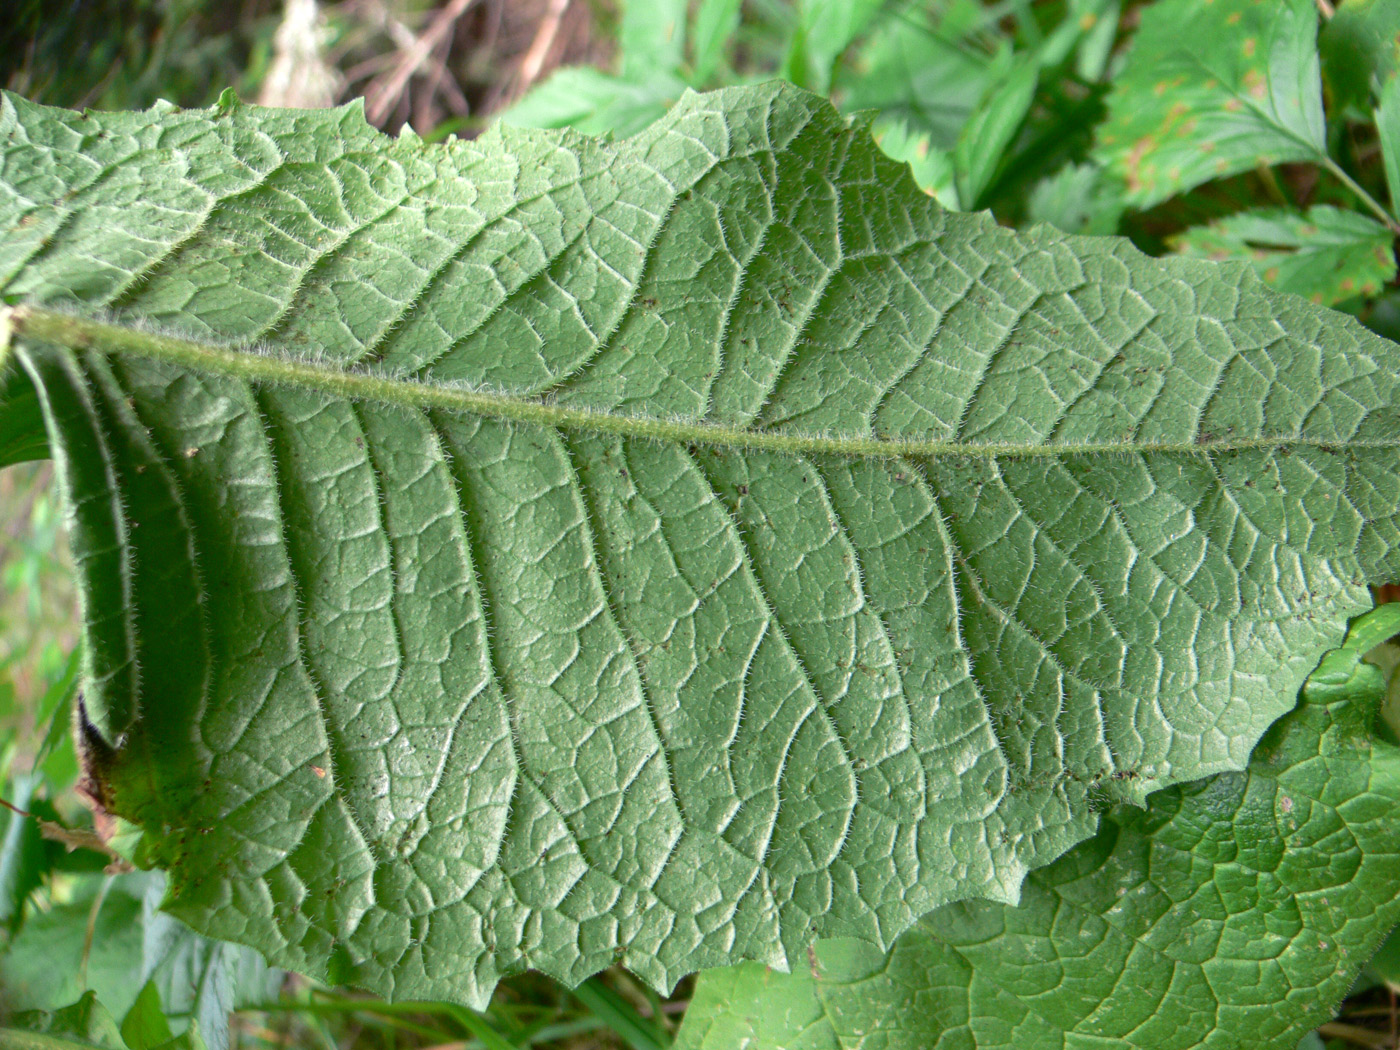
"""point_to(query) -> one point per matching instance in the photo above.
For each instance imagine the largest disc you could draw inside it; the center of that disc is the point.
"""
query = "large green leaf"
(1234, 912)
(550, 552)
(1212, 88)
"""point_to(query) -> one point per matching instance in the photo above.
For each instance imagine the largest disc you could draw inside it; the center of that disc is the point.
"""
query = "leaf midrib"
(62, 329)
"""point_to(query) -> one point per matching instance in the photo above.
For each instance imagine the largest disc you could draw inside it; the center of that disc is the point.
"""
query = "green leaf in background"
(931, 167)
(21, 420)
(1079, 198)
(651, 38)
(1360, 49)
(911, 70)
(715, 22)
(990, 131)
(133, 945)
(825, 28)
(144, 1027)
(1099, 19)
(547, 552)
(1326, 254)
(594, 102)
(1234, 912)
(24, 855)
(1088, 29)
(84, 1023)
(1384, 966)
(1388, 130)
(1212, 88)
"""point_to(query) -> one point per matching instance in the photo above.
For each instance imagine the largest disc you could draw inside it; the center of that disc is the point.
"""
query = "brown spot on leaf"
(1140, 149)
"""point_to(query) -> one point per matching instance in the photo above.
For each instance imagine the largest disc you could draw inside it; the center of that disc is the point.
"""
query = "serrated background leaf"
(1326, 254)
(1079, 198)
(1212, 88)
(1235, 912)
(549, 552)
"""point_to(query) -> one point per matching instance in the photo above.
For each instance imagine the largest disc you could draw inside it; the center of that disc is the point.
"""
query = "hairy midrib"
(61, 329)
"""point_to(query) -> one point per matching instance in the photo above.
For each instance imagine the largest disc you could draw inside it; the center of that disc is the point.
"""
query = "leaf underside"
(548, 552)
(1233, 912)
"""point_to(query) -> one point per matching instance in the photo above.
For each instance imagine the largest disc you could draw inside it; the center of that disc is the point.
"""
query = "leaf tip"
(227, 103)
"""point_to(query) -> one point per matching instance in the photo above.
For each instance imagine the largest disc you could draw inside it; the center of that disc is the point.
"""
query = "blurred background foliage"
(1039, 110)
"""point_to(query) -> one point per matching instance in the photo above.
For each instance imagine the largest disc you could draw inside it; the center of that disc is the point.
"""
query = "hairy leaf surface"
(1233, 912)
(552, 552)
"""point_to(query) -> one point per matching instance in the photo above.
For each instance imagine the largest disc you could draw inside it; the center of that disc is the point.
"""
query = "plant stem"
(1366, 199)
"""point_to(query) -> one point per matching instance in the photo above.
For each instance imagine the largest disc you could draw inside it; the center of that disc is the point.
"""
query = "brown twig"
(1325, 6)
(548, 32)
(439, 80)
(385, 93)
(1354, 1034)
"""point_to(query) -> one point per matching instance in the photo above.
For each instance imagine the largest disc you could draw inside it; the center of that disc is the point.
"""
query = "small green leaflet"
(1212, 88)
(1326, 254)
(1079, 198)
(551, 552)
(1234, 912)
